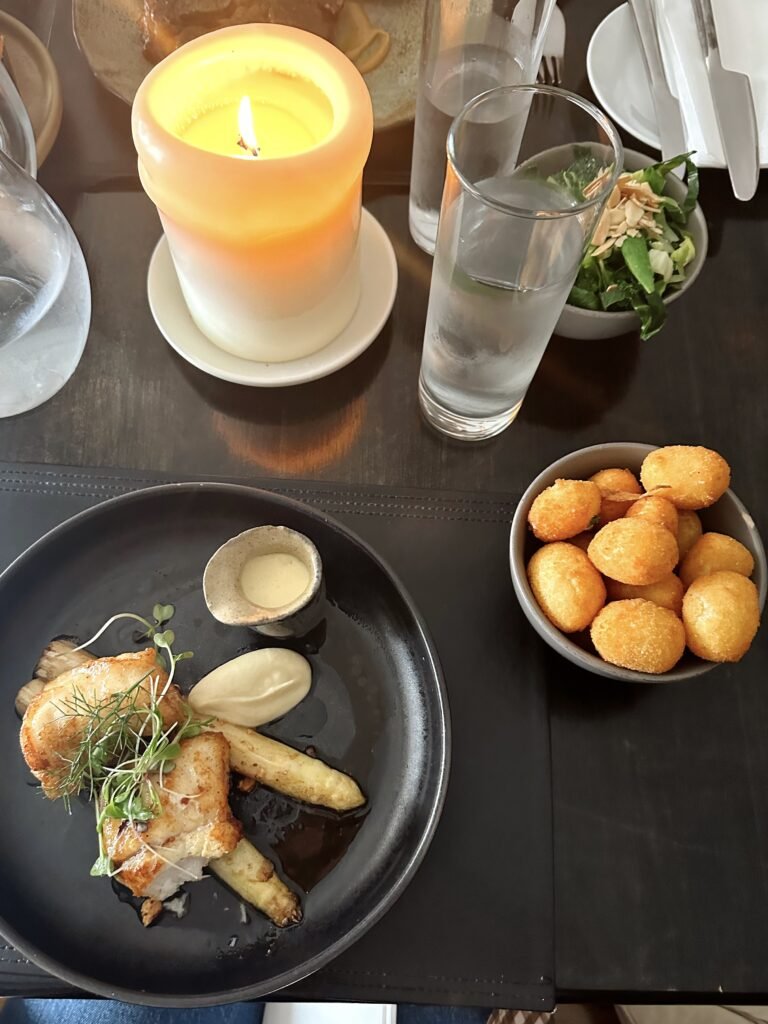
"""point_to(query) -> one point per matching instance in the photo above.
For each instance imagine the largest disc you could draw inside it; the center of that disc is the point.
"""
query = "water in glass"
(487, 330)
(460, 74)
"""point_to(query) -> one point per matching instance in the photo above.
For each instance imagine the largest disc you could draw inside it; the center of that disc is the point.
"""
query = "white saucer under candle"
(251, 143)
(378, 283)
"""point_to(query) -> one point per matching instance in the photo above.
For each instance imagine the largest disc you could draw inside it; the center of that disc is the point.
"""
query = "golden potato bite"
(615, 481)
(568, 588)
(640, 635)
(666, 592)
(634, 551)
(689, 529)
(564, 509)
(721, 613)
(654, 510)
(713, 552)
(693, 477)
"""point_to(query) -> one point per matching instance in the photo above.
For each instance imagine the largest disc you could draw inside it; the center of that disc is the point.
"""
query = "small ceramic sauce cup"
(270, 579)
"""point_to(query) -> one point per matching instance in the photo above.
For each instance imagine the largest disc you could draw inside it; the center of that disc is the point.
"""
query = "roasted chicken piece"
(55, 721)
(194, 825)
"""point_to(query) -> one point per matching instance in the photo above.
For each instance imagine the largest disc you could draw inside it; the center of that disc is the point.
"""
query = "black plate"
(377, 709)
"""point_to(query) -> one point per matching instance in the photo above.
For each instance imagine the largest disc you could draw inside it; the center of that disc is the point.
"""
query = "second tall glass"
(529, 171)
(469, 46)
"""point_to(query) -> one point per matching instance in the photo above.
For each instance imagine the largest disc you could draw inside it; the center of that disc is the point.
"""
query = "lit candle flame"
(247, 139)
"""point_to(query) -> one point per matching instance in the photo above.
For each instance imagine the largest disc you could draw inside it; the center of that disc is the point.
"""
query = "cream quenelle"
(253, 688)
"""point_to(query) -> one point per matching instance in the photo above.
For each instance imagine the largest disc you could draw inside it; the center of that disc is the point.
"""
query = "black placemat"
(660, 804)
(475, 927)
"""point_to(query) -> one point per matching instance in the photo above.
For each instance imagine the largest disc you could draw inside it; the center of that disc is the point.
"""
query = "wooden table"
(133, 403)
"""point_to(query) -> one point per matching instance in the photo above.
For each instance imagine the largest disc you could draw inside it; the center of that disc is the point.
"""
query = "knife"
(668, 116)
(734, 108)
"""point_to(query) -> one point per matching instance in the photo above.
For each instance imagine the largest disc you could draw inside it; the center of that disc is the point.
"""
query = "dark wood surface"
(133, 403)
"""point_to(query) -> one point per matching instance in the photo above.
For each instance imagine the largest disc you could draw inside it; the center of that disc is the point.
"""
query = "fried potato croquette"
(564, 509)
(634, 551)
(615, 481)
(693, 477)
(667, 592)
(568, 588)
(714, 552)
(721, 614)
(654, 510)
(689, 529)
(640, 635)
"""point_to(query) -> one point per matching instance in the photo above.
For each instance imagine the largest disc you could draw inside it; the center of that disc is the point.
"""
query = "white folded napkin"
(330, 1013)
(742, 29)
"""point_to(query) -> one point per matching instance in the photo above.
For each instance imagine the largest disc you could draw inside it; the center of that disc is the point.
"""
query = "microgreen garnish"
(161, 614)
(126, 748)
(163, 640)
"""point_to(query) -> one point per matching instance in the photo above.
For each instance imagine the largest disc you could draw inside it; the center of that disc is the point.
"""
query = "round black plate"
(377, 709)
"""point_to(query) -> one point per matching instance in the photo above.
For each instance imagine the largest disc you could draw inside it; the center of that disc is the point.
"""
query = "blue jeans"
(98, 1011)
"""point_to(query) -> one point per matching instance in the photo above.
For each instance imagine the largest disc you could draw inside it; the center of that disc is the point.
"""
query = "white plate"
(36, 79)
(379, 285)
(110, 38)
(617, 73)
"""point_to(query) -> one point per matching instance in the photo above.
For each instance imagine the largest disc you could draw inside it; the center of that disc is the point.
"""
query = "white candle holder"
(378, 280)
(265, 248)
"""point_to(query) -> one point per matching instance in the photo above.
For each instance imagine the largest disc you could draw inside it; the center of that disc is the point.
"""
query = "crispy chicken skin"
(194, 826)
(51, 731)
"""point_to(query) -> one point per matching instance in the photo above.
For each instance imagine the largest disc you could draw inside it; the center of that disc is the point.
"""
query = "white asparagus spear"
(253, 877)
(280, 767)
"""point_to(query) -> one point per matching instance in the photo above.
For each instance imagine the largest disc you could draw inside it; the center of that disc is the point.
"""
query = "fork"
(553, 56)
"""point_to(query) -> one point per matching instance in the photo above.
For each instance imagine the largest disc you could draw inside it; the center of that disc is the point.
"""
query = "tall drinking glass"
(469, 46)
(514, 224)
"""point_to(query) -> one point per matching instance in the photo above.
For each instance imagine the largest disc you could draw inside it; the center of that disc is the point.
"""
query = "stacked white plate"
(617, 73)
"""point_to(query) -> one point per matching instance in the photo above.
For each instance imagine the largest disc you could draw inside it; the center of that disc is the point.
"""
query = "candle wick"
(253, 150)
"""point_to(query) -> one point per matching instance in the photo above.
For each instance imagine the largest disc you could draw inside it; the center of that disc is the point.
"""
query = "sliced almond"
(633, 213)
(597, 183)
(649, 224)
(614, 198)
(601, 249)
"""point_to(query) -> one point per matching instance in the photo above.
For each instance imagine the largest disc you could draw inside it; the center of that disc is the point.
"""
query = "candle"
(251, 143)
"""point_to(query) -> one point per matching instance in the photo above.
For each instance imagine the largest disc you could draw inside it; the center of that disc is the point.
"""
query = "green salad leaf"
(655, 174)
(584, 298)
(635, 254)
(692, 177)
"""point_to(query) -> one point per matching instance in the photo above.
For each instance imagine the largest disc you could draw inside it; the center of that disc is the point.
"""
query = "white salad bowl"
(591, 324)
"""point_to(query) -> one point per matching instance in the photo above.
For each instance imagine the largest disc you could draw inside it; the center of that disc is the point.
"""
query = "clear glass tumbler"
(514, 225)
(468, 47)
